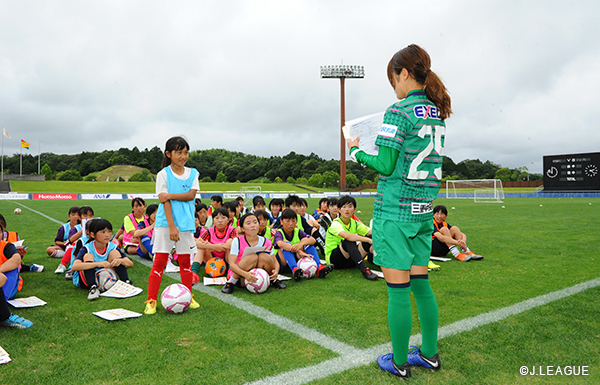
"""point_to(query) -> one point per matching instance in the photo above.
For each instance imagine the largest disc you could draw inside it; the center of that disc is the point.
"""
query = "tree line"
(221, 165)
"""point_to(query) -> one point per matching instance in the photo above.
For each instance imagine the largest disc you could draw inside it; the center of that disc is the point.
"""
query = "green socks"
(196, 266)
(399, 319)
(428, 313)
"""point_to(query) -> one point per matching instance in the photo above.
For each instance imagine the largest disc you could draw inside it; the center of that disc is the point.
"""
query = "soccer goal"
(480, 190)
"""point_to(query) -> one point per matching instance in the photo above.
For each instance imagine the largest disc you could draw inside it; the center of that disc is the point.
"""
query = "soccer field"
(329, 331)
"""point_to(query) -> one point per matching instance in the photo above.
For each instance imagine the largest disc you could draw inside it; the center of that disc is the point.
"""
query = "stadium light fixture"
(342, 72)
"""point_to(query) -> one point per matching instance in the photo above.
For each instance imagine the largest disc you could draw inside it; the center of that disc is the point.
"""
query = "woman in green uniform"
(411, 143)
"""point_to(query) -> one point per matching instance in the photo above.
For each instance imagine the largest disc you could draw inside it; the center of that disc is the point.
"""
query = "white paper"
(18, 243)
(366, 128)
(215, 281)
(254, 250)
(122, 290)
(171, 268)
(378, 273)
(4, 357)
(283, 277)
(440, 259)
(116, 314)
(26, 302)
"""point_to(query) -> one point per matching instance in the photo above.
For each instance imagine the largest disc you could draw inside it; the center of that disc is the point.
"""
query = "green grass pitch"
(531, 247)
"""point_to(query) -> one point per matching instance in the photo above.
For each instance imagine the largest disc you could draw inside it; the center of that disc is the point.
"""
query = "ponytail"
(418, 63)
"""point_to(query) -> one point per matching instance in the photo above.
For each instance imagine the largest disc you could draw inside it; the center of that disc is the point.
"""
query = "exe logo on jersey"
(425, 112)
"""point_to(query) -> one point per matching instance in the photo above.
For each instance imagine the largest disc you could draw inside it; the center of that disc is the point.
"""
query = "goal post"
(480, 190)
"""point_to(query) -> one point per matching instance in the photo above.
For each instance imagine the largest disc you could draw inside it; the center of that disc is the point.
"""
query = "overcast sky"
(524, 76)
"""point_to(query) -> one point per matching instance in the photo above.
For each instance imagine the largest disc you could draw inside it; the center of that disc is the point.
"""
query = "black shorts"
(439, 248)
(339, 261)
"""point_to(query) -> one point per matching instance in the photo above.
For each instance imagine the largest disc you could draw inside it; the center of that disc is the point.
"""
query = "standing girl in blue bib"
(176, 187)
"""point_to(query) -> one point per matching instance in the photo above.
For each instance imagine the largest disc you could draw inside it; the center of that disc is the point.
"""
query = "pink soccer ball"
(308, 266)
(176, 298)
(261, 285)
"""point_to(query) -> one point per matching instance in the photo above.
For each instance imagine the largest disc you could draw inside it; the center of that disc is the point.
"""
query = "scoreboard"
(573, 172)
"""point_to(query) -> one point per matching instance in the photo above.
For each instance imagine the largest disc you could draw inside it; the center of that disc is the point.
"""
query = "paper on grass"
(366, 128)
(4, 357)
(171, 268)
(440, 259)
(122, 290)
(215, 281)
(116, 314)
(32, 301)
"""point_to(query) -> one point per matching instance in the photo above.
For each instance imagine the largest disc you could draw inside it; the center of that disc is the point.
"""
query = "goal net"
(480, 190)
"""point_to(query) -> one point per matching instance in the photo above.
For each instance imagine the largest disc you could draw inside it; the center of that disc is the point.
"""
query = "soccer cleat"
(94, 293)
(386, 362)
(14, 321)
(277, 284)
(416, 358)
(324, 270)
(474, 257)
(36, 268)
(433, 266)
(195, 278)
(60, 269)
(69, 275)
(368, 274)
(194, 304)
(228, 288)
(298, 273)
(150, 307)
(463, 257)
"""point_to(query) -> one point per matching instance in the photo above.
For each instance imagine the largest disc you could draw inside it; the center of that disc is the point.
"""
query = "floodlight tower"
(342, 72)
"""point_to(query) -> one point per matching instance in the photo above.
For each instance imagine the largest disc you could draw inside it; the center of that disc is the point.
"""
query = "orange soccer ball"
(216, 267)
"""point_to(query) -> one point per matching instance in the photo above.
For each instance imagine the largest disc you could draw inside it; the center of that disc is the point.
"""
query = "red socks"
(160, 261)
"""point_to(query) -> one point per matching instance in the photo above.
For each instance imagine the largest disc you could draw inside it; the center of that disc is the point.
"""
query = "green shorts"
(400, 245)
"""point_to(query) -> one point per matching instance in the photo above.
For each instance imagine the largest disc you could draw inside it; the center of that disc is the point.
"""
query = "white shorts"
(163, 244)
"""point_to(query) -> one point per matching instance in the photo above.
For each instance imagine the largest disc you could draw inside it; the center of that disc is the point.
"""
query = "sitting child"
(323, 208)
(10, 265)
(264, 230)
(99, 252)
(294, 244)
(62, 236)
(130, 224)
(275, 206)
(258, 203)
(328, 216)
(343, 234)
(202, 213)
(144, 233)
(240, 263)
(86, 213)
(13, 237)
(215, 243)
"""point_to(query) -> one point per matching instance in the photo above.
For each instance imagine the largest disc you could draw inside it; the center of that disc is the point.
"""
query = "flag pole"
(39, 155)
(2, 153)
(21, 162)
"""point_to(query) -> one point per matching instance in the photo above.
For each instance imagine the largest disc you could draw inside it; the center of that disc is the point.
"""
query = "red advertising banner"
(54, 196)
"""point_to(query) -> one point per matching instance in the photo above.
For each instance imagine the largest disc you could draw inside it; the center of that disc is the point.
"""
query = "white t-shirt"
(161, 180)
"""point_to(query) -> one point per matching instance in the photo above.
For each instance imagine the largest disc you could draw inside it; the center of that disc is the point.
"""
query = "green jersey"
(414, 134)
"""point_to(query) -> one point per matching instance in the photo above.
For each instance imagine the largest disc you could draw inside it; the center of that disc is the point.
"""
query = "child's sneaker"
(368, 274)
(194, 304)
(416, 358)
(463, 257)
(324, 270)
(228, 288)
(150, 307)
(386, 362)
(94, 293)
(195, 278)
(60, 269)
(298, 273)
(36, 268)
(69, 275)
(432, 266)
(277, 284)
(474, 257)
(14, 321)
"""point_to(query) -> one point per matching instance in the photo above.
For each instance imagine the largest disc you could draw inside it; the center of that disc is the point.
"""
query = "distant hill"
(112, 173)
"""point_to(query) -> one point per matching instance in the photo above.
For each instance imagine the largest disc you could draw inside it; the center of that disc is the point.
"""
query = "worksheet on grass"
(366, 128)
(32, 301)
(4, 357)
(122, 290)
(116, 314)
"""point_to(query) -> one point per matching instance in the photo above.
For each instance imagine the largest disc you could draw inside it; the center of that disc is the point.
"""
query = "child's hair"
(289, 214)
(345, 200)
(441, 208)
(197, 201)
(231, 206)
(197, 216)
(221, 210)
(292, 199)
(99, 225)
(262, 214)
(85, 210)
(2, 224)
(217, 198)
(418, 63)
(139, 201)
(201, 206)
(74, 210)
(239, 199)
(151, 209)
(323, 200)
(245, 216)
(176, 143)
(89, 228)
(332, 202)
(257, 200)
(303, 202)
(276, 202)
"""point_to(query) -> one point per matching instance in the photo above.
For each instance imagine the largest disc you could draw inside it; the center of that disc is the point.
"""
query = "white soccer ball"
(17, 211)
(176, 298)
(308, 266)
(261, 285)
(105, 279)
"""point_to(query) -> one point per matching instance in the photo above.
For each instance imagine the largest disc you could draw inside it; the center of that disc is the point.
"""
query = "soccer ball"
(308, 266)
(17, 211)
(261, 285)
(105, 279)
(215, 267)
(176, 298)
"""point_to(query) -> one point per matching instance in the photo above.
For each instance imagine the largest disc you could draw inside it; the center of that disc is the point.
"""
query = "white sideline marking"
(37, 212)
(351, 357)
